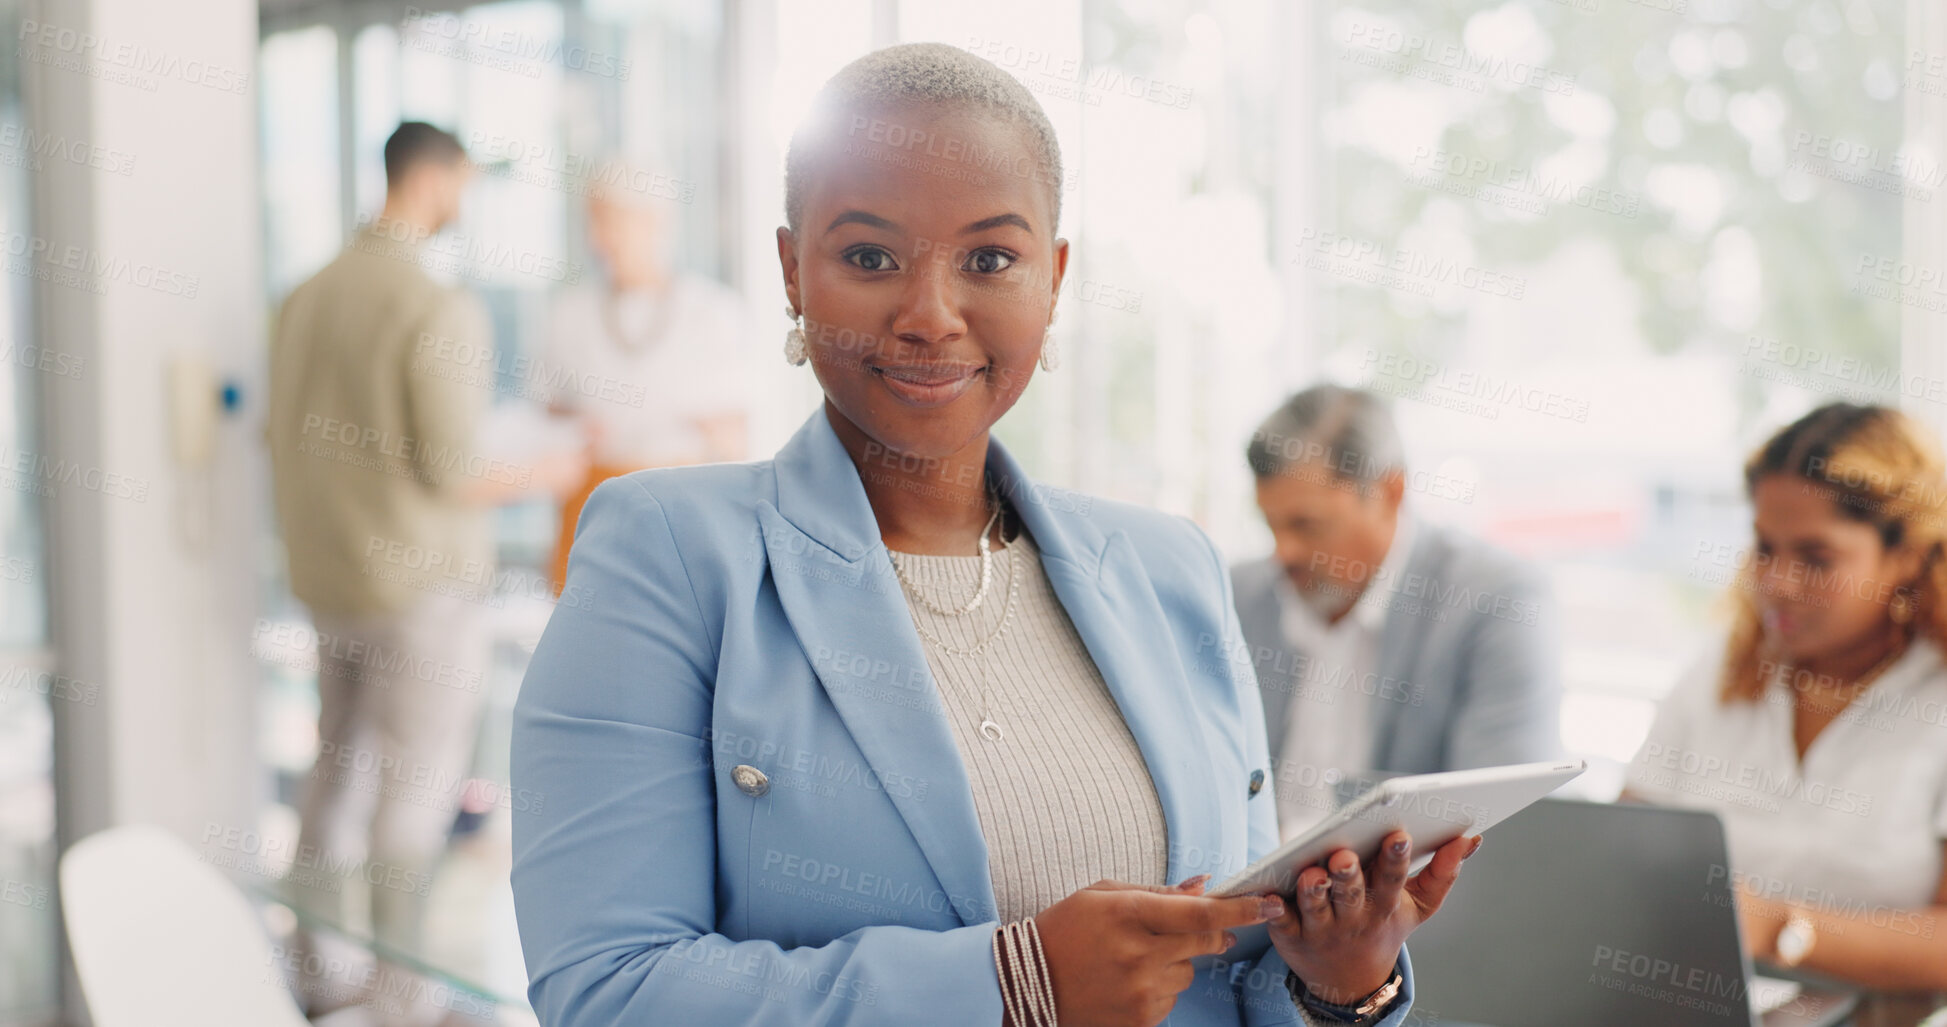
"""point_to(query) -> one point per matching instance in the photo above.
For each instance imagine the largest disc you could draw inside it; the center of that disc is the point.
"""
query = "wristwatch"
(1369, 1011)
(1795, 940)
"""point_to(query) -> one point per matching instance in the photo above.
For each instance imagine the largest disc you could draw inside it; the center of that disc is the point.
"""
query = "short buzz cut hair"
(921, 75)
(414, 143)
(1349, 432)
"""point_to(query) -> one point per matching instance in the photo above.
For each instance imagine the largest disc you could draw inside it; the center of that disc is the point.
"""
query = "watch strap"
(1369, 1010)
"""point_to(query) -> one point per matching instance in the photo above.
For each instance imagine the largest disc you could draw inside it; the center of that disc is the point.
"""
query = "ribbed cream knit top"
(1064, 798)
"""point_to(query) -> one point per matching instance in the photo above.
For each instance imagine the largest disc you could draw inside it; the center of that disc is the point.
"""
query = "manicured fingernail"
(1271, 908)
(1192, 884)
(1399, 847)
(1230, 940)
(1318, 890)
(1476, 847)
(1343, 872)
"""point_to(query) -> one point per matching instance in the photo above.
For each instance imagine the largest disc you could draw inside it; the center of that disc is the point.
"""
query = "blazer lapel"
(843, 601)
(1108, 595)
(1395, 640)
(1397, 645)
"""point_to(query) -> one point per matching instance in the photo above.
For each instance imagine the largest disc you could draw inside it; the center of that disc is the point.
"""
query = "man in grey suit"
(1382, 643)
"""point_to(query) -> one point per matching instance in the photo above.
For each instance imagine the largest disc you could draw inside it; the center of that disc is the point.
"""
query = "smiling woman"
(922, 199)
(880, 731)
(1814, 729)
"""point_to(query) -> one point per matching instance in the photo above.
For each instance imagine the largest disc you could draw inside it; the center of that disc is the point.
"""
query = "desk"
(468, 1002)
(1898, 1010)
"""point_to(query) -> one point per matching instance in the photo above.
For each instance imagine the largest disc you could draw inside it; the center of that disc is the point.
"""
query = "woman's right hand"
(1119, 954)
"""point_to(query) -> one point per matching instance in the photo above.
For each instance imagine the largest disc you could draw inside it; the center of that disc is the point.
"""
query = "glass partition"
(538, 92)
(30, 965)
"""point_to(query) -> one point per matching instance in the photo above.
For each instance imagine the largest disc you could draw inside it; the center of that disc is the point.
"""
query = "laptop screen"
(1588, 913)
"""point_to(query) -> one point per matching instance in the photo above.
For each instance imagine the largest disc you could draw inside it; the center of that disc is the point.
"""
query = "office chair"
(161, 939)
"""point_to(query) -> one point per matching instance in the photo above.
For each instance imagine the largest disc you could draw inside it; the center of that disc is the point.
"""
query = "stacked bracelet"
(1027, 992)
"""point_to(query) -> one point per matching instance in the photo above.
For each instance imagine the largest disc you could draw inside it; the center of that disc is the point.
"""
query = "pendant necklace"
(990, 729)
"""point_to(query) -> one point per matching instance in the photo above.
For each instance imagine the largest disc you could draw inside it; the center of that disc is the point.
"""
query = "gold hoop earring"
(795, 352)
(1901, 609)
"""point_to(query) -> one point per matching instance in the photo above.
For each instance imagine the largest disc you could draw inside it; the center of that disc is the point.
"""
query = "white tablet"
(1433, 808)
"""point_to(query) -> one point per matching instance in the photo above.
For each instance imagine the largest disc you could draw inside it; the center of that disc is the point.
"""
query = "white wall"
(152, 580)
(1923, 332)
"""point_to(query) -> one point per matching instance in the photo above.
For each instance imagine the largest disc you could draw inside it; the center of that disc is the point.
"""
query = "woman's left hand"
(1344, 935)
(1759, 921)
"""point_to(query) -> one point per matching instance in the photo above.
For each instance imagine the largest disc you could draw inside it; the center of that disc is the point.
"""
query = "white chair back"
(161, 939)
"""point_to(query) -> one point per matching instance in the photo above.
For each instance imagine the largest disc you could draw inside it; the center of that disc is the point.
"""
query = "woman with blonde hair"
(652, 361)
(883, 732)
(1819, 731)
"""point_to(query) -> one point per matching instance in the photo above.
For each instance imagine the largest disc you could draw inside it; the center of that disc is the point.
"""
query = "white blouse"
(1857, 828)
(646, 369)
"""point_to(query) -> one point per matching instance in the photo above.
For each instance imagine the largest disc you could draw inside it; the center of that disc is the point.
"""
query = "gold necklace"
(658, 326)
(1860, 682)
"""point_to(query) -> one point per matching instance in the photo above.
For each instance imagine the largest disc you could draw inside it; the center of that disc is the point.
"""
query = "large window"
(539, 93)
(299, 133)
(1594, 250)
(29, 962)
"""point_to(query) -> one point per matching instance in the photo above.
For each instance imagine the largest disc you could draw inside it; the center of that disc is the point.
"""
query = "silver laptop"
(1596, 915)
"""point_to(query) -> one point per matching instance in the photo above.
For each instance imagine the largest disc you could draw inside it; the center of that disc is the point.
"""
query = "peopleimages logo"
(436, 459)
(36, 145)
(1664, 980)
(1515, 186)
(538, 378)
(1067, 77)
(1494, 392)
(90, 269)
(37, 474)
(461, 36)
(1448, 63)
(1410, 270)
(951, 149)
(247, 851)
(848, 878)
(413, 781)
(547, 164)
(20, 893)
(43, 359)
(68, 48)
(1767, 789)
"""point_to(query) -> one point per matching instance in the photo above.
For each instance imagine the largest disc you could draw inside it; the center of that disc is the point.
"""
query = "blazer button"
(750, 780)
(1257, 781)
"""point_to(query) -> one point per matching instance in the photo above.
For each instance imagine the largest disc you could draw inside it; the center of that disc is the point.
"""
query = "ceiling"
(272, 12)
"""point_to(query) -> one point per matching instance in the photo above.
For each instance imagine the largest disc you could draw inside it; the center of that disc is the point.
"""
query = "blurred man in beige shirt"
(385, 506)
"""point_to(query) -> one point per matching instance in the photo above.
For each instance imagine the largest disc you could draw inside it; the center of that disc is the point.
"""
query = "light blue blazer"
(730, 620)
